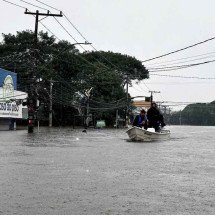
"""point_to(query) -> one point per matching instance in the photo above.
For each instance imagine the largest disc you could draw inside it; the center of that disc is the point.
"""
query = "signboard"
(10, 110)
(10, 98)
(4, 74)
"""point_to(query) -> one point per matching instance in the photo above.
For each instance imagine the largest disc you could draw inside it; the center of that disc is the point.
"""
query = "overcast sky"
(142, 29)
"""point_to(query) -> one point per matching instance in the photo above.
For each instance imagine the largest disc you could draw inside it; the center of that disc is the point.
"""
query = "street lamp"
(85, 43)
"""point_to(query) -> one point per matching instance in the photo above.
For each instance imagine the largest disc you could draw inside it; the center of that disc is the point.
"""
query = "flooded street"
(65, 171)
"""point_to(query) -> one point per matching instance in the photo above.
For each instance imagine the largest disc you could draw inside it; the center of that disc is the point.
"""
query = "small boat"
(140, 134)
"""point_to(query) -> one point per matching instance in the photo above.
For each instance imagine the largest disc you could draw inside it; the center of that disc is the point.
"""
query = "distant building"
(141, 104)
(11, 107)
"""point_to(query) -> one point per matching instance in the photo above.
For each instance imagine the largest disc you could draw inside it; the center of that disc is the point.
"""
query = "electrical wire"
(56, 19)
(32, 4)
(182, 49)
(184, 58)
(181, 62)
(69, 33)
(48, 29)
(162, 69)
(77, 42)
(188, 77)
(80, 34)
(137, 89)
(9, 2)
(47, 5)
(146, 85)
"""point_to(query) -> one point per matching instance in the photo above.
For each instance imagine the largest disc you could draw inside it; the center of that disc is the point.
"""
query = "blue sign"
(4, 74)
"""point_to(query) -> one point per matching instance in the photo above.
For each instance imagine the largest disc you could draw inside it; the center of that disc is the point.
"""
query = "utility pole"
(117, 118)
(32, 108)
(152, 92)
(61, 104)
(50, 104)
(126, 114)
(88, 101)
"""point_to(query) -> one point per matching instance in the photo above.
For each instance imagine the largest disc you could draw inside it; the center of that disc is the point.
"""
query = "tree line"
(195, 114)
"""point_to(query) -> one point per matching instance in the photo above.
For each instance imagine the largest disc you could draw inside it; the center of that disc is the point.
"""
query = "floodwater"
(65, 171)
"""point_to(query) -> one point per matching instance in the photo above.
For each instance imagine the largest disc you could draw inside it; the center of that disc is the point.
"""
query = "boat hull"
(140, 134)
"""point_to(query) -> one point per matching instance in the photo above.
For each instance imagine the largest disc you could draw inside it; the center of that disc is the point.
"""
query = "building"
(11, 100)
(141, 104)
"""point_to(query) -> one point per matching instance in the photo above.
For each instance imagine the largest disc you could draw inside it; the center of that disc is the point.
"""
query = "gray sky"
(139, 28)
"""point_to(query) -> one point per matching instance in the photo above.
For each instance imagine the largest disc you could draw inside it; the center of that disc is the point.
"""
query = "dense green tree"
(73, 73)
(195, 114)
(122, 65)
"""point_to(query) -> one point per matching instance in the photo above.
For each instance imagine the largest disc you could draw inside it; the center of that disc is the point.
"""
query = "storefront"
(11, 100)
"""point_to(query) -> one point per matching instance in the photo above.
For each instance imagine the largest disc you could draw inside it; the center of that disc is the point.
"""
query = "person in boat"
(155, 118)
(141, 120)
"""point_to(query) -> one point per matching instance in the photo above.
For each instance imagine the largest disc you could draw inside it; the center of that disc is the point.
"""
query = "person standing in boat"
(155, 118)
(141, 120)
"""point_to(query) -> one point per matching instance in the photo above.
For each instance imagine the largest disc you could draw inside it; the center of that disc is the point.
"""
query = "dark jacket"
(153, 114)
(155, 118)
(138, 121)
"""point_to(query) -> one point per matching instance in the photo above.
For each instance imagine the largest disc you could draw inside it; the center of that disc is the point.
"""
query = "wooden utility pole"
(152, 94)
(31, 113)
(127, 106)
(50, 105)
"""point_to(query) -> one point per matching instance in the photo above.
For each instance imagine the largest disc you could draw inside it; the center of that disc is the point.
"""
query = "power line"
(48, 29)
(196, 44)
(176, 63)
(184, 65)
(80, 34)
(68, 100)
(184, 58)
(137, 89)
(79, 44)
(103, 57)
(59, 24)
(87, 40)
(47, 5)
(33, 5)
(43, 18)
(146, 85)
(79, 56)
(201, 82)
(141, 88)
(188, 77)
(15, 4)
(162, 69)
(69, 33)
(94, 47)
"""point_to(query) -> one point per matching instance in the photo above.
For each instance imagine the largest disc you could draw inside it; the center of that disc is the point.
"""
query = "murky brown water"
(65, 171)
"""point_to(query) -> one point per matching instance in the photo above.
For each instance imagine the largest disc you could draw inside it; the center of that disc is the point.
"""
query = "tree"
(72, 72)
(122, 65)
(195, 114)
(107, 74)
